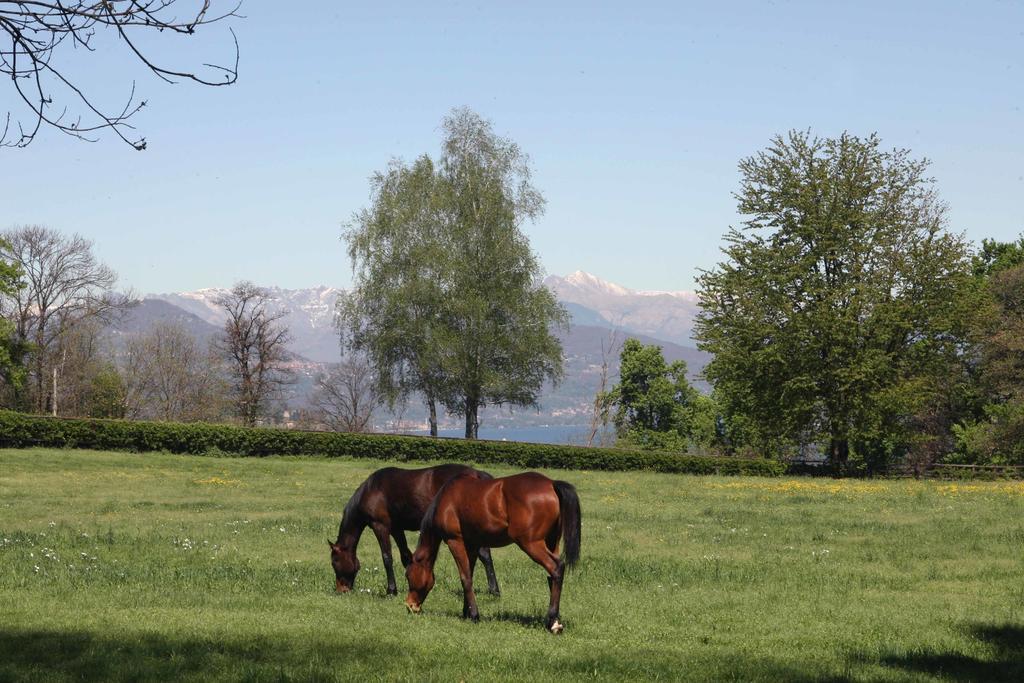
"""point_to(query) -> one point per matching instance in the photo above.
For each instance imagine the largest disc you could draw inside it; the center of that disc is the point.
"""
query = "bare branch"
(31, 38)
(346, 396)
(168, 377)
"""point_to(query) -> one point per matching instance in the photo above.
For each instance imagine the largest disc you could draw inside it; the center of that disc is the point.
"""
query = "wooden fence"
(950, 471)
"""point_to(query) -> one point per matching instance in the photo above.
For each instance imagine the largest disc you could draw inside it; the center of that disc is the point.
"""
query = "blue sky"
(635, 115)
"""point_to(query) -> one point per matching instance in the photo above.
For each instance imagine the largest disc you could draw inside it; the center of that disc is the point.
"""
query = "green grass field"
(159, 567)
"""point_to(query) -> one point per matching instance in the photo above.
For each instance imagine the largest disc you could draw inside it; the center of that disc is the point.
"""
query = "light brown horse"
(392, 501)
(468, 514)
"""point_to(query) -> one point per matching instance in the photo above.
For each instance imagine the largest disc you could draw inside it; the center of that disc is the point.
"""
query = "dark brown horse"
(469, 514)
(392, 501)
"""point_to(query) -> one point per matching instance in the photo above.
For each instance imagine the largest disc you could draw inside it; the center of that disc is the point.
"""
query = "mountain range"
(309, 315)
(603, 315)
(667, 316)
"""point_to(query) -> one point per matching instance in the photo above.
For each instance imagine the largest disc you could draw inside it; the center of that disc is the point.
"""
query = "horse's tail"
(569, 505)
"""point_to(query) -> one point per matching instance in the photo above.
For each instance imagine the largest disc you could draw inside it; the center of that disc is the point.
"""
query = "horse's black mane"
(428, 516)
(352, 505)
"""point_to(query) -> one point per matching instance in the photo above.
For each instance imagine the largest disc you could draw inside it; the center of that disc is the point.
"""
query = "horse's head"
(420, 574)
(346, 566)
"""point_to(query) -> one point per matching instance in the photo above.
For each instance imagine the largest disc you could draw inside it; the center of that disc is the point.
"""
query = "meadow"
(118, 566)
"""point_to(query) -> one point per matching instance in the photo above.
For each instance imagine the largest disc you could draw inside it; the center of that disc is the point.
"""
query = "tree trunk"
(42, 400)
(432, 406)
(838, 452)
(472, 420)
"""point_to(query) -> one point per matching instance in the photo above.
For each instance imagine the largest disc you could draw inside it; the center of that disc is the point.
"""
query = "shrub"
(19, 430)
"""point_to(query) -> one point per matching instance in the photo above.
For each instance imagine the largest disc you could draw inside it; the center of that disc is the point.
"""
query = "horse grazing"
(392, 501)
(470, 514)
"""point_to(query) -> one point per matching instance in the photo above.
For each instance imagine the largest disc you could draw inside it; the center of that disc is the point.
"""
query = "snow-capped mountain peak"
(585, 280)
(664, 315)
(594, 284)
(679, 294)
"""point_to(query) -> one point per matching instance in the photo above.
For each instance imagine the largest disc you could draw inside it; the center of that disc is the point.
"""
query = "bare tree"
(169, 377)
(255, 344)
(34, 41)
(65, 286)
(599, 416)
(346, 395)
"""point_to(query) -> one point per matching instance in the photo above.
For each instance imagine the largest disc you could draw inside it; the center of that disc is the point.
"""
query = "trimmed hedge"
(18, 430)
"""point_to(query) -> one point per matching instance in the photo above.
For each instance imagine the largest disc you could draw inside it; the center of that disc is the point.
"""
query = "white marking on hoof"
(557, 627)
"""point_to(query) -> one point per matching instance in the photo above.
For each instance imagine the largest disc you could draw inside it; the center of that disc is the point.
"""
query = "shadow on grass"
(45, 655)
(52, 655)
(530, 621)
(1005, 642)
(527, 620)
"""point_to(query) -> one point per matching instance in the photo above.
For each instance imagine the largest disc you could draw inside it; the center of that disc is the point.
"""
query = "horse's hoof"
(557, 627)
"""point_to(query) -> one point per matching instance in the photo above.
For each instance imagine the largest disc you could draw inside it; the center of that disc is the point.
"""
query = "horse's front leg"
(465, 559)
(383, 538)
(492, 578)
(403, 546)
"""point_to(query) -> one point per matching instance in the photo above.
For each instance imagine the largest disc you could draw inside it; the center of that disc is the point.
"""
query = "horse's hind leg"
(539, 553)
(465, 559)
(492, 578)
(382, 534)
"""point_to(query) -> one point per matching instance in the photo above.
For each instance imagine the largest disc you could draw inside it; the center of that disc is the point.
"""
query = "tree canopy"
(653, 405)
(837, 313)
(448, 299)
(393, 313)
(991, 432)
(12, 348)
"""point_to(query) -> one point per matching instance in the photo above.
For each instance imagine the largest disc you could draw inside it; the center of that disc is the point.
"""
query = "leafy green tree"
(995, 256)
(702, 420)
(107, 394)
(501, 314)
(654, 405)
(396, 311)
(839, 310)
(13, 350)
(996, 434)
(448, 299)
(983, 410)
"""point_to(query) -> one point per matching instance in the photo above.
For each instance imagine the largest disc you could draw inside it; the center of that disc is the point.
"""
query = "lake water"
(556, 434)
